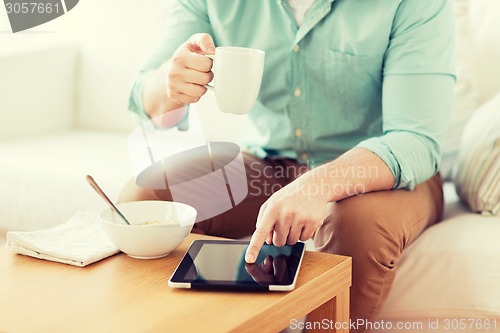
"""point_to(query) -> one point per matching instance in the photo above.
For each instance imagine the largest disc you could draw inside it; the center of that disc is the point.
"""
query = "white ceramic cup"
(170, 224)
(237, 78)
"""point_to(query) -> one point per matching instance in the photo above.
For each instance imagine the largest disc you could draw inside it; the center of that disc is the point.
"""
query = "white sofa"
(63, 101)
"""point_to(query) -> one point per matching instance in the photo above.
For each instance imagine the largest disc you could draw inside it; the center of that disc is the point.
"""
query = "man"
(359, 90)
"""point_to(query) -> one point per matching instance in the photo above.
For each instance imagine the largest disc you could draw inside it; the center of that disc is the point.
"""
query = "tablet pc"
(220, 264)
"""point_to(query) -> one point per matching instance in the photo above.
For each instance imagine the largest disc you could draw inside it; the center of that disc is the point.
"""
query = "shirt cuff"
(412, 158)
(385, 153)
(136, 105)
(135, 100)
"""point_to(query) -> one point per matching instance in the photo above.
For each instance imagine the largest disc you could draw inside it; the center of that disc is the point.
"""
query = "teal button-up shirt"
(376, 74)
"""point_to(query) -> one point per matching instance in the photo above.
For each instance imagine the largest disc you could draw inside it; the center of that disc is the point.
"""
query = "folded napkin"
(79, 242)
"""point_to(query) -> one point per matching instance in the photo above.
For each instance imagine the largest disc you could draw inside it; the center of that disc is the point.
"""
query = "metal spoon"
(103, 195)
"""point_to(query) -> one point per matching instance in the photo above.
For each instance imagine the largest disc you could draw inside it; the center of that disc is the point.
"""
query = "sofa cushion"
(478, 173)
(43, 179)
(451, 271)
(453, 205)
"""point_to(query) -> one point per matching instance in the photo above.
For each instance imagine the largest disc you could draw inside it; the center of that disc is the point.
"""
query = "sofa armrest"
(37, 88)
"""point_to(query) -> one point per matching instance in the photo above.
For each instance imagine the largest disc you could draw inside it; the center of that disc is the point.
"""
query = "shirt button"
(296, 48)
(298, 133)
(297, 92)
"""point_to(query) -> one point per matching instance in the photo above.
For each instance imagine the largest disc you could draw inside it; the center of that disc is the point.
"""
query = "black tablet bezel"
(177, 279)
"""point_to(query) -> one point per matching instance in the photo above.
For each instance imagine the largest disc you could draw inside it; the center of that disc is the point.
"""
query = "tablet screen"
(221, 264)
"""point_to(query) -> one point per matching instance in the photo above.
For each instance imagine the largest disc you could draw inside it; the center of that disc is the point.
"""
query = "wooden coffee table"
(122, 294)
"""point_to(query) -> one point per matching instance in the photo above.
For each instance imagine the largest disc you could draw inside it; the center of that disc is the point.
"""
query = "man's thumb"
(201, 43)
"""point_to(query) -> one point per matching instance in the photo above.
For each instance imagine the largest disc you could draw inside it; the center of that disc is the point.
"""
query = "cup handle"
(209, 87)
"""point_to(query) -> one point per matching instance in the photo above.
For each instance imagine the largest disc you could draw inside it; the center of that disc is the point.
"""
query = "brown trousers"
(372, 228)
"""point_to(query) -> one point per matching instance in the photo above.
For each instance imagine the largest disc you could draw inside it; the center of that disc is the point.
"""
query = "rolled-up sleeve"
(418, 87)
(185, 18)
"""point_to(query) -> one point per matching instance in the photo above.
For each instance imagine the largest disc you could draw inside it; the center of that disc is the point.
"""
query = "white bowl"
(148, 241)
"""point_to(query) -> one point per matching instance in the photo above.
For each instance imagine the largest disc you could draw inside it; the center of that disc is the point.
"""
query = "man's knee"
(132, 192)
(360, 226)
